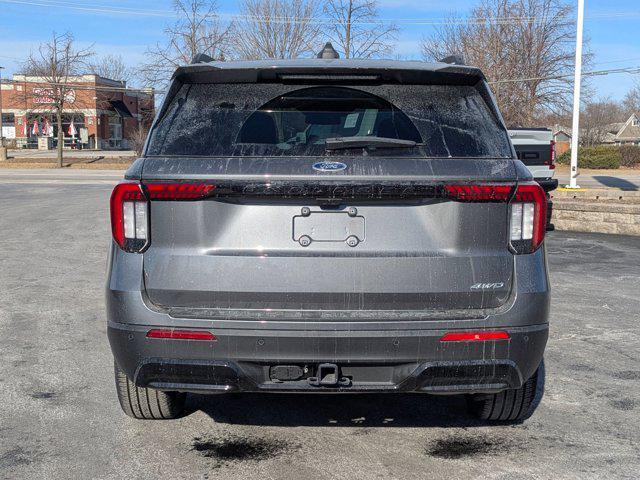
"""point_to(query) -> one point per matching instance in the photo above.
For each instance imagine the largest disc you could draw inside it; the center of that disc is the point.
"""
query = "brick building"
(104, 112)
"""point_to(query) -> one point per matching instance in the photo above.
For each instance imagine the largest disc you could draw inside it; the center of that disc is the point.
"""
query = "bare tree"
(138, 138)
(198, 30)
(276, 29)
(55, 65)
(598, 119)
(525, 47)
(631, 101)
(111, 66)
(547, 118)
(356, 30)
(139, 134)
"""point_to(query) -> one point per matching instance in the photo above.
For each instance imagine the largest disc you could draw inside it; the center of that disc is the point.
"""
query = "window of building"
(115, 128)
(115, 131)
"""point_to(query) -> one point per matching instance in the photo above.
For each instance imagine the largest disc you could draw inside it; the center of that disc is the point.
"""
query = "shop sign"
(45, 96)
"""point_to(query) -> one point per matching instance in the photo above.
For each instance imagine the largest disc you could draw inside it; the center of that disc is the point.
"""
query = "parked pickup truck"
(537, 150)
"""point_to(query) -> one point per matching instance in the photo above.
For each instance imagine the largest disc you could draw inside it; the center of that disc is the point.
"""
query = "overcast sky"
(611, 25)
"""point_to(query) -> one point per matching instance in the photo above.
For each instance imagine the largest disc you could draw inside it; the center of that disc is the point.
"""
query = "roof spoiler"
(455, 59)
(205, 70)
(201, 58)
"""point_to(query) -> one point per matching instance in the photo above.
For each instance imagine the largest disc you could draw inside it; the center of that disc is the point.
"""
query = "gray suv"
(328, 225)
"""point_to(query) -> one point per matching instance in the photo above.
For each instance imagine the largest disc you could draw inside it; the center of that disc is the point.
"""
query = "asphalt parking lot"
(59, 416)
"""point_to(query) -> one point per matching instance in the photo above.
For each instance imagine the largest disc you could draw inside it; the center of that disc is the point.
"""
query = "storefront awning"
(121, 108)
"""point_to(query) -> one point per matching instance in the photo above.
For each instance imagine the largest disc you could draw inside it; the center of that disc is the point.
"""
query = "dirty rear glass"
(285, 120)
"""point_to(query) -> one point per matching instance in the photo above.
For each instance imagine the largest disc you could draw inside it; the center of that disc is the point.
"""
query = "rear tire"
(513, 405)
(147, 403)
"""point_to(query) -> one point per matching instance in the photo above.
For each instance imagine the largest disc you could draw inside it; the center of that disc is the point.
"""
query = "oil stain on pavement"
(624, 404)
(455, 448)
(627, 375)
(42, 395)
(15, 457)
(232, 449)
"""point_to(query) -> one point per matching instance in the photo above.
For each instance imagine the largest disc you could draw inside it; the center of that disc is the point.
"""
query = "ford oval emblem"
(329, 166)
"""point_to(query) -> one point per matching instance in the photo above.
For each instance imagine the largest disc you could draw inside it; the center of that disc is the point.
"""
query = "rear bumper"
(379, 350)
(368, 361)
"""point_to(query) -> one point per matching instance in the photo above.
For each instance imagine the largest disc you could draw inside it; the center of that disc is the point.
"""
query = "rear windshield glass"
(280, 120)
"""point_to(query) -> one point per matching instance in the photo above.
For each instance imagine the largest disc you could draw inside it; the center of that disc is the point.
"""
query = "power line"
(622, 60)
(99, 9)
(94, 9)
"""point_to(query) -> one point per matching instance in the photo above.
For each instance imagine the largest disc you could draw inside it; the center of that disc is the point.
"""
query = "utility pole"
(1, 124)
(575, 129)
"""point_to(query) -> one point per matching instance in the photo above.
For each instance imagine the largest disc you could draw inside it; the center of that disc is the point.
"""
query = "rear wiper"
(340, 143)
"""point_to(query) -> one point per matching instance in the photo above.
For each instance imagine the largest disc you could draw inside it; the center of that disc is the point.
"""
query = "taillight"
(479, 193)
(129, 217)
(130, 208)
(178, 191)
(528, 217)
(527, 210)
(552, 155)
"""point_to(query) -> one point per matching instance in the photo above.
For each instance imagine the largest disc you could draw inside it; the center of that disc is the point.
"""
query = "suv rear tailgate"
(242, 250)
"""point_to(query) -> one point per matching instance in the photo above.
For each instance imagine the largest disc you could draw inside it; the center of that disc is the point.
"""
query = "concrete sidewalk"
(623, 179)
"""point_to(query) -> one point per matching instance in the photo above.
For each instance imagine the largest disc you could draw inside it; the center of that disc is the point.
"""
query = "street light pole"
(575, 129)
